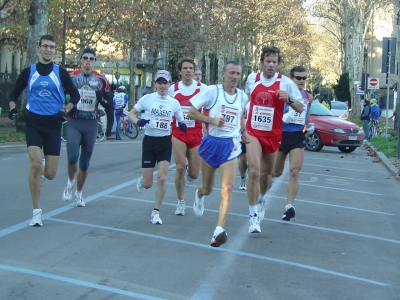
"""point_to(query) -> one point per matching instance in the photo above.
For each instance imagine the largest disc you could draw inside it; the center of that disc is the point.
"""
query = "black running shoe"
(288, 214)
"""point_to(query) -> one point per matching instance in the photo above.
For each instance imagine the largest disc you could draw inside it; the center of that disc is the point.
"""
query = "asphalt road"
(345, 243)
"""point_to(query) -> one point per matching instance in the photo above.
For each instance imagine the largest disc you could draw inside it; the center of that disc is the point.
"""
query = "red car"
(331, 130)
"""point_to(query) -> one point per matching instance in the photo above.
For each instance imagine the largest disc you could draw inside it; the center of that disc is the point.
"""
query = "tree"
(341, 89)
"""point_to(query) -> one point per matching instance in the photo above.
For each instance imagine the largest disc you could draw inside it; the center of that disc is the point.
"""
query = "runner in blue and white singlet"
(293, 141)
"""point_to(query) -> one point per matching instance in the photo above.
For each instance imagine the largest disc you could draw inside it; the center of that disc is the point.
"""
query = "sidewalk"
(392, 164)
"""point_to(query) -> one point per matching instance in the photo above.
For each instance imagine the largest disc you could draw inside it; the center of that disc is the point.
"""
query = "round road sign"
(373, 82)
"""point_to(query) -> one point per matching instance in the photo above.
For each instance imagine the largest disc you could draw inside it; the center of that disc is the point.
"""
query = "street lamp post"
(117, 75)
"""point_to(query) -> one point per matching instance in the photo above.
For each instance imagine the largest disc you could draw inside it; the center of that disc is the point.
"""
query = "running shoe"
(180, 209)
(155, 218)
(261, 208)
(220, 237)
(36, 218)
(139, 186)
(242, 185)
(254, 224)
(79, 201)
(198, 206)
(188, 178)
(42, 180)
(289, 213)
(272, 182)
(67, 194)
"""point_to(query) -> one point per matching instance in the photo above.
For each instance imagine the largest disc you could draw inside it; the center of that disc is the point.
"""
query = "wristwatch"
(291, 101)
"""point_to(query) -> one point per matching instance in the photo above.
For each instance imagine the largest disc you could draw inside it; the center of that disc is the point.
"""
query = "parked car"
(331, 130)
(340, 109)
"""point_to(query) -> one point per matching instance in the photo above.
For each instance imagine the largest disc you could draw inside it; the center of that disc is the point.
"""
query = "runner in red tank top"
(268, 91)
(185, 145)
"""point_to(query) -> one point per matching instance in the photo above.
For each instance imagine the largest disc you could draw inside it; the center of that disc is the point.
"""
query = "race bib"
(190, 123)
(262, 118)
(160, 123)
(231, 116)
(87, 100)
(299, 118)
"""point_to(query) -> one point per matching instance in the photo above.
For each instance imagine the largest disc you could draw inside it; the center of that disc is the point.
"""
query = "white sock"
(78, 194)
(253, 210)
(181, 201)
(288, 206)
(37, 210)
(71, 182)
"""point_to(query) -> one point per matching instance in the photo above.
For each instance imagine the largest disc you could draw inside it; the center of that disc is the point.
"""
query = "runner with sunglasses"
(268, 91)
(82, 126)
(293, 140)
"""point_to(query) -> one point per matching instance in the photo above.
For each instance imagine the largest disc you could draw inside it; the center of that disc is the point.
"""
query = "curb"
(386, 162)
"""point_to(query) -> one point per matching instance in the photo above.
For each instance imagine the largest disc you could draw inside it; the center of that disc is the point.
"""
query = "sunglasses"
(161, 82)
(87, 57)
(300, 78)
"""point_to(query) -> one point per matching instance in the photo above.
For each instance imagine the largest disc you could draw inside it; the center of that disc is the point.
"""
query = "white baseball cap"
(163, 74)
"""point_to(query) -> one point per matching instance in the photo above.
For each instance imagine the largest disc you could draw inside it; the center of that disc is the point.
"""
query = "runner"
(185, 145)
(45, 83)
(268, 91)
(157, 111)
(197, 75)
(224, 104)
(82, 126)
(293, 140)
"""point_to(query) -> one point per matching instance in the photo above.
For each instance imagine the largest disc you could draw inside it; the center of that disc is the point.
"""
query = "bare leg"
(163, 167)
(179, 150)
(296, 157)
(228, 176)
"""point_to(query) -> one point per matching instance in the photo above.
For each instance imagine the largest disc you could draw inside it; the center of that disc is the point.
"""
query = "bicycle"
(374, 129)
(101, 132)
(126, 127)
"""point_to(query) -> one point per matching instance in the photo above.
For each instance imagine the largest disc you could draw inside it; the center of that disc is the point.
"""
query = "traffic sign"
(373, 83)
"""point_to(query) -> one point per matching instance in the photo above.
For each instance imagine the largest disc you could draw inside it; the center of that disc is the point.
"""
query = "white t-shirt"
(286, 84)
(217, 103)
(159, 110)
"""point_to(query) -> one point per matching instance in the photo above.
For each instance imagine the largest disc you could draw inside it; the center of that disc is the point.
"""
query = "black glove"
(142, 122)
(182, 126)
(12, 114)
(62, 116)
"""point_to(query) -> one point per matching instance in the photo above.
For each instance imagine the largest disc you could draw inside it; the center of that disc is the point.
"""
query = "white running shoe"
(67, 194)
(180, 209)
(254, 224)
(188, 178)
(79, 201)
(198, 205)
(139, 186)
(220, 237)
(261, 209)
(242, 185)
(42, 180)
(36, 218)
(155, 218)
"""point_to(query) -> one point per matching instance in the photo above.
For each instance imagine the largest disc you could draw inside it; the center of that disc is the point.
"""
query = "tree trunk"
(132, 74)
(38, 20)
(207, 59)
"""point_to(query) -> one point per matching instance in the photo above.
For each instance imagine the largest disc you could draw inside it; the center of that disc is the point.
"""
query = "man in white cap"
(158, 110)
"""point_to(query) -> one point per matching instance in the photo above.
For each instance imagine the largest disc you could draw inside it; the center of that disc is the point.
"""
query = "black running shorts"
(292, 140)
(156, 149)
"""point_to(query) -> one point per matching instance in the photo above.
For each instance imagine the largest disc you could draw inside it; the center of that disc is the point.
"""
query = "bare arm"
(132, 116)
(198, 116)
